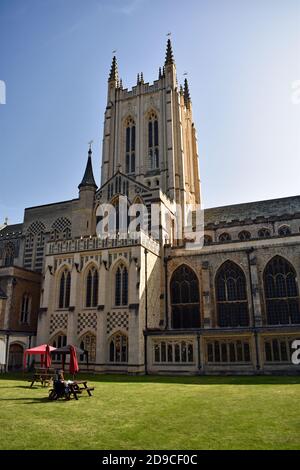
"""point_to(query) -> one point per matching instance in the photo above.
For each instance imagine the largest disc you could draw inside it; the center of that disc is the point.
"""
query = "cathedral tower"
(149, 134)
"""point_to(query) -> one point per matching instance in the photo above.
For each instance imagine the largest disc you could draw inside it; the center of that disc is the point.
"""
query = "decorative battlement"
(96, 243)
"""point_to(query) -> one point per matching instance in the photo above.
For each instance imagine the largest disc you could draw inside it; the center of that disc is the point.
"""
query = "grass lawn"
(154, 413)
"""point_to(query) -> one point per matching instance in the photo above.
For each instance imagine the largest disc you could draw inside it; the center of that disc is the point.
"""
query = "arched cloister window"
(88, 343)
(118, 348)
(244, 235)
(224, 237)
(130, 146)
(185, 298)
(231, 296)
(25, 308)
(64, 289)
(92, 281)
(284, 231)
(264, 233)
(153, 144)
(9, 255)
(121, 286)
(281, 292)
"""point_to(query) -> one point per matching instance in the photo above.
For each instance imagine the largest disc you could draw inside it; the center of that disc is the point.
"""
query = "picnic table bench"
(77, 388)
(42, 376)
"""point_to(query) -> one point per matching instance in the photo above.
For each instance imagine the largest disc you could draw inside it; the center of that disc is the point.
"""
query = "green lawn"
(154, 413)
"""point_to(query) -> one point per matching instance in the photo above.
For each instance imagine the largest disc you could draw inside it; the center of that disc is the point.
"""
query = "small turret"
(169, 54)
(186, 94)
(114, 74)
(88, 180)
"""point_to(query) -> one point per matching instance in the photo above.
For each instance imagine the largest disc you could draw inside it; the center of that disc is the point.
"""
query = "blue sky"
(242, 58)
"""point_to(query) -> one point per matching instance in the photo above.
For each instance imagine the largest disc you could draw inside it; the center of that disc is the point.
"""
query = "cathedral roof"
(253, 210)
(88, 177)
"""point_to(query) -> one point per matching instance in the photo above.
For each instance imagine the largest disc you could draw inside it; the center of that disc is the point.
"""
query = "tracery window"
(231, 296)
(59, 341)
(153, 144)
(281, 292)
(92, 281)
(264, 233)
(118, 348)
(64, 289)
(224, 237)
(244, 235)
(207, 239)
(130, 146)
(185, 299)
(121, 286)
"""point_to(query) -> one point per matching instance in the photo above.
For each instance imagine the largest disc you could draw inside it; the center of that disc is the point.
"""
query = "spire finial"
(169, 53)
(159, 73)
(186, 94)
(114, 75)
(142, 77)
(138, 79)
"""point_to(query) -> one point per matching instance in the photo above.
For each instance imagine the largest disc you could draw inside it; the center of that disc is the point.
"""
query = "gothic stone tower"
(149, 134)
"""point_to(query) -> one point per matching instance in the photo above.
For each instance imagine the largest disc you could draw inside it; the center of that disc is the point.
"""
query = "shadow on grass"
(166, 379)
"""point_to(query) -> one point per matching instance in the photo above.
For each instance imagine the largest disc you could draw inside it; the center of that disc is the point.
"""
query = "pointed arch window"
(130, 147)
(92, 281)
(118, 348)
(231, 296)
(121, 286)
(284, 231)
(185, 299)
(153, 143)
(64, 289)
(281, 292)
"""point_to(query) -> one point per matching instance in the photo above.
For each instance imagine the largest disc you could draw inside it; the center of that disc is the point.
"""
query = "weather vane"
(169, 34)
(185, 74)
(90, 144)
(114, 51)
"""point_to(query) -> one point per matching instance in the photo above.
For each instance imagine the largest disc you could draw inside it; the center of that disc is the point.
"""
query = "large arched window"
(118, 348)
(92, 279)
(153, 146)
(64, 289)
(121, 286)
(59, 341)
(130, 146)
(9, 255)
(231, 295)
(185, 298)
(281, 292)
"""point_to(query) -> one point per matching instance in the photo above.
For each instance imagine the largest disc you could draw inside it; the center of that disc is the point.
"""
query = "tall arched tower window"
(153, 144)
(92, 280)
(130, 146)
(64, 289)
(185, 298)
(231, 295)
(9, 255)
(281, 292)
(121, 286)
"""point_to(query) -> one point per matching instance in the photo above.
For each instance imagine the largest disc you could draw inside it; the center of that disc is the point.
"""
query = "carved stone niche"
(253, 261)
(205, 265)
(205, 294)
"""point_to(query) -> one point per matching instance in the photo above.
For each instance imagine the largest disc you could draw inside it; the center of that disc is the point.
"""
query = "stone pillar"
(207, 323)
(75, 302)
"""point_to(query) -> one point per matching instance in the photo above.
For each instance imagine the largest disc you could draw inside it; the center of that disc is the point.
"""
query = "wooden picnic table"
(43, 377)
(77, 387)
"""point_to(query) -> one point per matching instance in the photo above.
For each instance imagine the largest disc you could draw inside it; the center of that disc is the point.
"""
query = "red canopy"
(44, 351)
